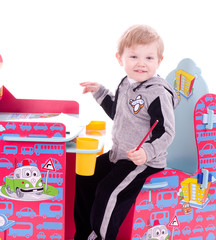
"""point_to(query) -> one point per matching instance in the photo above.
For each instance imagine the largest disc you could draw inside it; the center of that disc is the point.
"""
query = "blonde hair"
(140, 35)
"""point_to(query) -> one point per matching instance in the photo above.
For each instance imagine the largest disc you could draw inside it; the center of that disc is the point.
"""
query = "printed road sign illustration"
(49, 165)
(174, 222)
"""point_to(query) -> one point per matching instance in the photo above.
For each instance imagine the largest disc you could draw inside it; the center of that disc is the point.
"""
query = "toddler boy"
(103, 200)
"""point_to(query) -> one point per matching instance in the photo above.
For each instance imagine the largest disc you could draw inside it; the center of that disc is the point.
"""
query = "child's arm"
(161, 109)
(102, 95)
(137, 156)
(90, 87)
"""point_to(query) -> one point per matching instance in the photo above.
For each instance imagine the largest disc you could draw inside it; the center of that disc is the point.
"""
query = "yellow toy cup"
(97, 128)
(85, 162)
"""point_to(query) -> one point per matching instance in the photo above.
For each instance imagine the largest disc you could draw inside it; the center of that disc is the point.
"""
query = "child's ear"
(119, 59)
(159, 62)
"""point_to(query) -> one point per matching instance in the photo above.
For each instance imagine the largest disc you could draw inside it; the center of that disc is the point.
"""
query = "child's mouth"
(140, 71)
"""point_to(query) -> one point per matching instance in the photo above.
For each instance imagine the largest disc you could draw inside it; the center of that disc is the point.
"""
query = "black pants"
(103, 200)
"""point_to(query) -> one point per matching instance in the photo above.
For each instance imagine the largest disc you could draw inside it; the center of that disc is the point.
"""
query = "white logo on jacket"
(137, 103)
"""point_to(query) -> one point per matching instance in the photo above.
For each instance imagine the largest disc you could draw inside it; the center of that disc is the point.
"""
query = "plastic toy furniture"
(33, 154)
(180, 202)
(32, 173)
(186, 206)
(36, 191)
(37, 170)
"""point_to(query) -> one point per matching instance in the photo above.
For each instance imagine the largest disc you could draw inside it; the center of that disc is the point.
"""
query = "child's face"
(140, 61)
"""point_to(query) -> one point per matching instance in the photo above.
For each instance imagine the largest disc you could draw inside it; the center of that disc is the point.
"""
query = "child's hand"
(138, 157)
(90, 86)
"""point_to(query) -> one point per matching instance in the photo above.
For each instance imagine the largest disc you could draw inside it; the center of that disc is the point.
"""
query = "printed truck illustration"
(50, 225)
(26, 179)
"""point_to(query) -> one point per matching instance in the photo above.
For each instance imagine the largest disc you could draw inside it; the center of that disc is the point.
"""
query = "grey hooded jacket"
(134, 109)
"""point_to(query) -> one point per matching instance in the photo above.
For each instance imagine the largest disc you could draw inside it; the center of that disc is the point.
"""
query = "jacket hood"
(158, 81)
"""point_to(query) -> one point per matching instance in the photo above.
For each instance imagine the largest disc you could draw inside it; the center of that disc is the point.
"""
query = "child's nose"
(142, 62)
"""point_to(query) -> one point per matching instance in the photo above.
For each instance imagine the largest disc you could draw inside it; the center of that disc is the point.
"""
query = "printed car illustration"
(210, 236)
(201, 106)
(136, 237)
(145, 204)
(212, 106)
(55, 236)
(26, 179)
(56, 126)
(158, 232)
(208, 149)
(139, 223)
(186, 230)
(26, 212)
(41, 235)
(4, 162)
(210, 217)
(199, 218)
(25, 126)
(41, 126)
(208, 98)
(210, 227)
(186, 208)
(198, 228)
(10, 125)
(176, 231)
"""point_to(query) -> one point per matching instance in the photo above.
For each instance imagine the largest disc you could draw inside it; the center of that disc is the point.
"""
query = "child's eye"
(133, 56)
(149, 58)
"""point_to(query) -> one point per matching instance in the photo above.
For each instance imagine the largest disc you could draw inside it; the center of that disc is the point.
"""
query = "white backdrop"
(50, 46)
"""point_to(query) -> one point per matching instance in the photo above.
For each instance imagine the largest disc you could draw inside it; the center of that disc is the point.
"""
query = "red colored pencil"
(150, 130)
